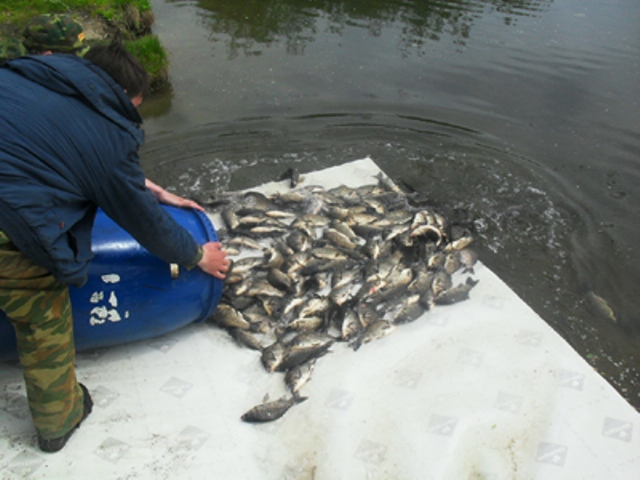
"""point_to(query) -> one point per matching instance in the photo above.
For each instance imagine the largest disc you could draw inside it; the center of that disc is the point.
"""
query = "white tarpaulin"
(482, 389)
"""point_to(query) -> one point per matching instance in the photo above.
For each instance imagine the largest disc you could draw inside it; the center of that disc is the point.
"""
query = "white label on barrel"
(96, 297)
(98, 316)
(96, 321)
(111, 278)
(100, 312)
(114, 316)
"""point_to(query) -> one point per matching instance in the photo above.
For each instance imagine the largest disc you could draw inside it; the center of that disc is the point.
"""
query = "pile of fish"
(311, 267)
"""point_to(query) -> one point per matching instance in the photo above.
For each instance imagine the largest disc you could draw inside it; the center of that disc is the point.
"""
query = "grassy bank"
(100, 19)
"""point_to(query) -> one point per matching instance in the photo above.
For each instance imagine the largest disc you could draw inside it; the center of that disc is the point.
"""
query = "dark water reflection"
(517, 117)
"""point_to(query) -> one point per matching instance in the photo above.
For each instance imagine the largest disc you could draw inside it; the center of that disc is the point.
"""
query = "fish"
(318, 266)
(459, 244)
(261, 287)
(340, 295)
(441, 282)
(421, 282)
(293, 175)
(297, 377)
(271, 410)
(600, 306)
(303, 347)
(366, 315)
(408, 310)
(245, 242)
(245, 265)
(254, 202)
(246, 339)
(230, 219)
(378, 329)
(317, 305)
(345, 229)
(386, 183)
(227, 316)
(452, 262)
(306, 324)
(291, 197)
(468, 258)
(299, 241)
(340, 239)
(351, 325)
(280, 279)
(455, 294)
(274, 258)
(273, 355)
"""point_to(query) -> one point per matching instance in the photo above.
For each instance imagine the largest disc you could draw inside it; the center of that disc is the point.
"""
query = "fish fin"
(471, 282)
(298, 398)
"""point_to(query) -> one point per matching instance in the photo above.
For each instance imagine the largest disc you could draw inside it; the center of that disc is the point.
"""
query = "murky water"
(520, 118)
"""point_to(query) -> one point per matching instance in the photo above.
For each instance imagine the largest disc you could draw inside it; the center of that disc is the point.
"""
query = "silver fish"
(314, 306)
(269, 411)
(230, 219)
(306, 324)
(344, 229)
(351, 325)
(388, 184)
(376, 330)
(227, 316)
(329, 253)
(268, 230)
(246, 242)
(273, 257)
(297, 377)
(246, 264)
(441, 282)
(600, 306)
(292, 196)
(421, 282)
(410, 310)
(279, 214)
(452, 263)
(340, 295)
(366, 315)
(279, 279)
(299, 241)
(459, 244)
(455, 294)
(246, 339)
(468, 258)
(303, 347)
(339, 238)
(273, 355)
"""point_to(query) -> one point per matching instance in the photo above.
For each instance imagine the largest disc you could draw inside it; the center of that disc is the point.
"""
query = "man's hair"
(121, 65)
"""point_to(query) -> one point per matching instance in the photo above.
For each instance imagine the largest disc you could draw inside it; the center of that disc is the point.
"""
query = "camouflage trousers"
(39, 309)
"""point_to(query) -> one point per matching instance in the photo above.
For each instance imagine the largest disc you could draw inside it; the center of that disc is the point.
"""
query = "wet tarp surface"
(480, 389)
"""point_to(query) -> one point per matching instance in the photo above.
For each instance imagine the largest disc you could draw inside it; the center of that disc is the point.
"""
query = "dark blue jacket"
(69, 139)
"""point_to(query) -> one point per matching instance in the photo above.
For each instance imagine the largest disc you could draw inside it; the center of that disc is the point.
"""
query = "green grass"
(17, 12)
(150, 52)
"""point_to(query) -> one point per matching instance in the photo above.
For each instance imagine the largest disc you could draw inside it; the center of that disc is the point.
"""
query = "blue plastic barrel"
(130, 294)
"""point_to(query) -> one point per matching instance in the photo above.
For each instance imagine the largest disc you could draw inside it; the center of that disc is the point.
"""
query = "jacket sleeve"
(122, 195)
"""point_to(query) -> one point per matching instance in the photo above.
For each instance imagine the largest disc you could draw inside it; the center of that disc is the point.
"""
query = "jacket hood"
(74, 76)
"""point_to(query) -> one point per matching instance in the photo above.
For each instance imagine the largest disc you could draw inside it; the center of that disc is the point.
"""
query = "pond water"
(520, 118)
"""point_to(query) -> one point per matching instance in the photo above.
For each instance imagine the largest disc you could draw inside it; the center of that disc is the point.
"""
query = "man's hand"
(214, 260)
(169, 198)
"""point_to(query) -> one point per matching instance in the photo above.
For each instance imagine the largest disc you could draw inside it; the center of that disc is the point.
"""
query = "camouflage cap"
(55, 32)
(11, 48)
